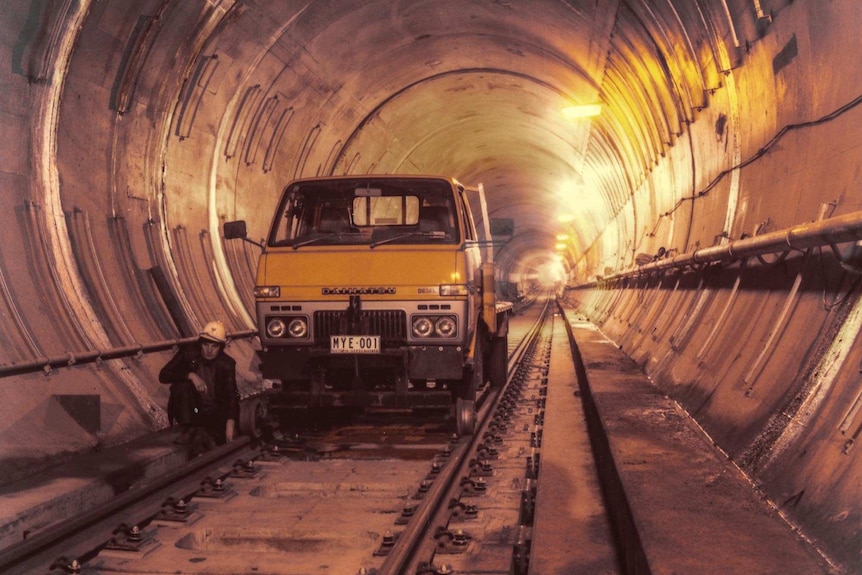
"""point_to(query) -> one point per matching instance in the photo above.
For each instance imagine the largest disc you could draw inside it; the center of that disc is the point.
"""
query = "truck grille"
(390, 325)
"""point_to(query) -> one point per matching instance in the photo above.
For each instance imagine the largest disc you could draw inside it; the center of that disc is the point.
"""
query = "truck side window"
(467, 216)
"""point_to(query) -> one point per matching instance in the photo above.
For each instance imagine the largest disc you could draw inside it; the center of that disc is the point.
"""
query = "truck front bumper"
(416, 362)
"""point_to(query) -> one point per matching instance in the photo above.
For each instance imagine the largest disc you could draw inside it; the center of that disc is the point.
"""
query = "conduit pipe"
(47, 364)
(828, 232)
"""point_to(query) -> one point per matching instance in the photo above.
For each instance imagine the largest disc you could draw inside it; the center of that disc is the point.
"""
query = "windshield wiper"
(435, 235)
(310, 241)
(322, 236)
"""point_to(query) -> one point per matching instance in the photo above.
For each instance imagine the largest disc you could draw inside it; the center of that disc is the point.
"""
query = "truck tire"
(465, 416)
(473, 377)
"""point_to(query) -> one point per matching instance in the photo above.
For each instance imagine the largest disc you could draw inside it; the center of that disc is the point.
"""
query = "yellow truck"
(371, 292)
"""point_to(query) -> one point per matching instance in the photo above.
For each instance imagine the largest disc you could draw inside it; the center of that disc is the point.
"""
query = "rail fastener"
(481, 468)
(130, 540)
(431, 569)
(244, 470)
(462, 511)
(407, 513)
(63, 564)
(386, 543)
(452, 542)
(473, 487)
(214, 490)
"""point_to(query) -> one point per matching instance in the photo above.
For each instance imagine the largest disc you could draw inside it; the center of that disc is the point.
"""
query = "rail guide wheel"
(252, 417)
(465, 416)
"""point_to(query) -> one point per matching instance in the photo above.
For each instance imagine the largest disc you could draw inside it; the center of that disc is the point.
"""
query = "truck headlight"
(298, 327)
(446, 326)
(281, 327)
(275, 327)
(428, 326)
(267, 291)
(422, 327)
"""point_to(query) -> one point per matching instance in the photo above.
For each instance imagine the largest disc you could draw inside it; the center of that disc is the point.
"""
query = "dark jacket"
(189, 359)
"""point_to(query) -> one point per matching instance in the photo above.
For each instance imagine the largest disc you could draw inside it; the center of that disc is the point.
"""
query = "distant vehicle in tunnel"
(371, 292)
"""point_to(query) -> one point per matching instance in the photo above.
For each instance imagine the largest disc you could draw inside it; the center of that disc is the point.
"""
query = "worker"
(204, 401)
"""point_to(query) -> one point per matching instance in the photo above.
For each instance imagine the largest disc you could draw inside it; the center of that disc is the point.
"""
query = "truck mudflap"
(435, 362)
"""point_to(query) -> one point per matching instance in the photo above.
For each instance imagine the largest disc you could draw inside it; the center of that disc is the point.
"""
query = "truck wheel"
(252, 415)
(465, 416)
(498, 361)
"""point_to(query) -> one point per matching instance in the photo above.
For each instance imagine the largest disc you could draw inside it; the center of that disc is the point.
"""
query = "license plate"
(354, 343)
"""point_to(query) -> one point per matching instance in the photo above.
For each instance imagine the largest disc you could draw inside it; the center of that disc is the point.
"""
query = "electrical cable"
(760, 153)
(846, 271)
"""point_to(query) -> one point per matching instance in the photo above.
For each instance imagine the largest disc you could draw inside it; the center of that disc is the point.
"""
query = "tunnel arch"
(424, 82)
(722, 122)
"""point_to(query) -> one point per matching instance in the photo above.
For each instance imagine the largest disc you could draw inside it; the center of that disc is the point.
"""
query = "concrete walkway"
(681, 505)
(72, 488)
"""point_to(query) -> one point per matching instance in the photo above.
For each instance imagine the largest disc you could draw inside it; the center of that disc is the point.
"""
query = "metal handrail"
(48, 364)
(828, 232)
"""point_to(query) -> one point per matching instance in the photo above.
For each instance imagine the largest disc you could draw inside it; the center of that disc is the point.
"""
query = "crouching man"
(204, 400)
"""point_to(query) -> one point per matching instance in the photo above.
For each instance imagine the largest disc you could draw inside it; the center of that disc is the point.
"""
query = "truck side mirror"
(237, 231)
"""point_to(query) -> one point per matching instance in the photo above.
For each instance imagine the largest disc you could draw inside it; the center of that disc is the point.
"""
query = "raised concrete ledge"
(679, 504)
(30, 505)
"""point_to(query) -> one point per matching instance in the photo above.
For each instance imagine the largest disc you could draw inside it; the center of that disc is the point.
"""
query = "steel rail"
(47, 364)
(404, 556)
(828, 232)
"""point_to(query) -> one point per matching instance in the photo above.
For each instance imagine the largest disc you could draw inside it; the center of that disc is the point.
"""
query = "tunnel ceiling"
(187, 114)
(475, 90)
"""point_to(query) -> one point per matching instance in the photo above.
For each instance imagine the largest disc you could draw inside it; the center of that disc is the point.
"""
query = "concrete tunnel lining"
(122, 187)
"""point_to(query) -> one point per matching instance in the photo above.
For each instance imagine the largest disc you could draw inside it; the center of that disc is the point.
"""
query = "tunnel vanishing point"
(685, 173)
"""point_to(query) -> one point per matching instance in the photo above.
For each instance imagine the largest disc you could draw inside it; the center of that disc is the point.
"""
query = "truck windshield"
(366, 211)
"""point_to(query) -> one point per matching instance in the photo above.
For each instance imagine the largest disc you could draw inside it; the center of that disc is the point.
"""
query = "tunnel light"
(585, 111)
(565, 218)
(562, 237)
(560, 247)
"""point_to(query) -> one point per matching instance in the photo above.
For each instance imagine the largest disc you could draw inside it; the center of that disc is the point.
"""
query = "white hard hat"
(214, 331)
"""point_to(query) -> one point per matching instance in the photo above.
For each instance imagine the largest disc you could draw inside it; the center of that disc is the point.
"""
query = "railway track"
(380, 494)
(394, 493)
(443, 529)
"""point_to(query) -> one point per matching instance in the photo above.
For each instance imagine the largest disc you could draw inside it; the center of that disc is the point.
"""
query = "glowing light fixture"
(562, 237)
(561, 247)
(585, 111)
(565, 218)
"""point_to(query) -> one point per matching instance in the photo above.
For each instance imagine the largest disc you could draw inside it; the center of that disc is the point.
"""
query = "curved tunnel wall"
(133, 132)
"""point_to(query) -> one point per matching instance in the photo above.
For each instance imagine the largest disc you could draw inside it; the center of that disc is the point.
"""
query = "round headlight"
(297, 327)
(422, 327)
(445, 327)
(275, 327)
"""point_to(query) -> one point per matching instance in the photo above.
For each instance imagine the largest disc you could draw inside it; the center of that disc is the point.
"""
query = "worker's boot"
(183, 437)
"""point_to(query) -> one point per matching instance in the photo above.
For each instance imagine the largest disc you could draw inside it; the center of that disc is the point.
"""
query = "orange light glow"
(585, 111)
